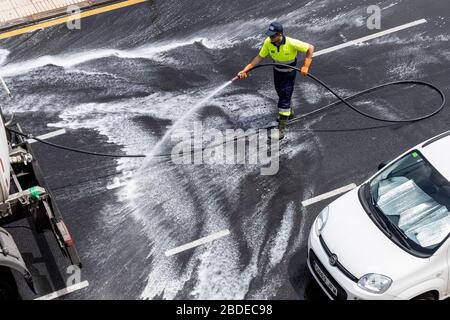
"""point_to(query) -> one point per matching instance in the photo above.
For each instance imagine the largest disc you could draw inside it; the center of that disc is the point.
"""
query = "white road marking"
(328, 195)
(64, 291)
(48, 135)
(197, 243)
(367, 38)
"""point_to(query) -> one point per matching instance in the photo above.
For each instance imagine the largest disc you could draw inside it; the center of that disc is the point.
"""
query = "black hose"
(344, 100)
(18, 227)
(54, 145)
(341, 100)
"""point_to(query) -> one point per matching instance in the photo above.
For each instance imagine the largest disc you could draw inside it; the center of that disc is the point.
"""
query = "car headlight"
(322, 219)
(375, 283)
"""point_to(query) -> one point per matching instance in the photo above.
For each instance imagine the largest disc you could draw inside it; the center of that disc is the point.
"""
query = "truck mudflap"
(10, 257)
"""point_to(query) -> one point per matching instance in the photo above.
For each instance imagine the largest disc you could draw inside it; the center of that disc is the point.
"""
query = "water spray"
(5, 86)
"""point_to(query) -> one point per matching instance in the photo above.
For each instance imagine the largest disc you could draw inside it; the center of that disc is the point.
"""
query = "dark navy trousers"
(284, 85)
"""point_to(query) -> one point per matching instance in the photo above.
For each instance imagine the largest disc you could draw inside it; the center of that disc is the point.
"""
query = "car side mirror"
(381, 166)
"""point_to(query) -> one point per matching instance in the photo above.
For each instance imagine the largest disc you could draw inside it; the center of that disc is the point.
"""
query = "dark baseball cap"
(274, 28)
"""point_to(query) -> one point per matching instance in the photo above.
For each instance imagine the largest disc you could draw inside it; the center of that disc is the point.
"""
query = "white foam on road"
(155, 51)
(116, 122)
(350, 19)
(220, 37)
(280, 243)
(197, 209)
(3, 56)
(221, 273)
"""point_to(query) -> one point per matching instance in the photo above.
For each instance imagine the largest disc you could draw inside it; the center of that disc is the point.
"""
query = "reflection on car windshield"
(416, 197)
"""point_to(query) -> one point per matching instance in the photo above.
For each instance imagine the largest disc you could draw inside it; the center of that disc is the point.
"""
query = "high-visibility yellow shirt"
(286, 52)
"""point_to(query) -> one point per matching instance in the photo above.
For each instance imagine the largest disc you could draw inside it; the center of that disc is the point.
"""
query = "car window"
(416, 197)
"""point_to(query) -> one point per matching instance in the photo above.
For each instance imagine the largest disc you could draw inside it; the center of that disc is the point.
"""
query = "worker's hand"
(244, 73)
(305, 69)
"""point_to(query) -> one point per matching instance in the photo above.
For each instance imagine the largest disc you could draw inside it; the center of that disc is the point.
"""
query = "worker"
(283, 50)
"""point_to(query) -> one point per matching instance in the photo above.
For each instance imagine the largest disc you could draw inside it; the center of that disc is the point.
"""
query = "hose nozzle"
(234, 79)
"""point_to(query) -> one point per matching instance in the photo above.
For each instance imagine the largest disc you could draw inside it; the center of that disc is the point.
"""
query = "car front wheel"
(8, 286)
(426, 296)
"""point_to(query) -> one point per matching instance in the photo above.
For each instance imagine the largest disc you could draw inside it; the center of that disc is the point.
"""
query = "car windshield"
(416, 199)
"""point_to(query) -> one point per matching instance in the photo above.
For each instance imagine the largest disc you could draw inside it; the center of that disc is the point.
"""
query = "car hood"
(361, 246)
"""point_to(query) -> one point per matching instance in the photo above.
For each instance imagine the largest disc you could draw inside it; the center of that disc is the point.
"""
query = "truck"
(24, 195)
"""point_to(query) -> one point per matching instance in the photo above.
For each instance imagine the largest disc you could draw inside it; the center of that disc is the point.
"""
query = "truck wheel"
(8, 286)
(426, 296)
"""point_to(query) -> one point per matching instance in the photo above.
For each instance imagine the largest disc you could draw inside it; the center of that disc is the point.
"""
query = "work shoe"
(290, 117)
(281, 128)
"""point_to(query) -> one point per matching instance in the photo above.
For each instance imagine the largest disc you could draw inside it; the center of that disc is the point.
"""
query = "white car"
(389, 238)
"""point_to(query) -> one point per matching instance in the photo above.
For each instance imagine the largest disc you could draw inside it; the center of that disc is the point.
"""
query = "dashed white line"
(64, 291)
(367, 38)
(197, 243)
(48, 135)
(327, 195)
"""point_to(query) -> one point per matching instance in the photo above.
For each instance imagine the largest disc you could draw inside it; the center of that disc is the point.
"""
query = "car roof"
(437, 152)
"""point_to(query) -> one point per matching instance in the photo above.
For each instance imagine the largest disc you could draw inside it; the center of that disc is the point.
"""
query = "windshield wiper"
(400, 234)
(384, 220)
(376, 216)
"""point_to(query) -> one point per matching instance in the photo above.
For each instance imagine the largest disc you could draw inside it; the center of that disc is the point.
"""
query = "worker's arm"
(256, 60)
(244, 73)
(308, 60)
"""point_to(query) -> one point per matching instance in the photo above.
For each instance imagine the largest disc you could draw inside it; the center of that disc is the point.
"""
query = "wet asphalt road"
(119, 92)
